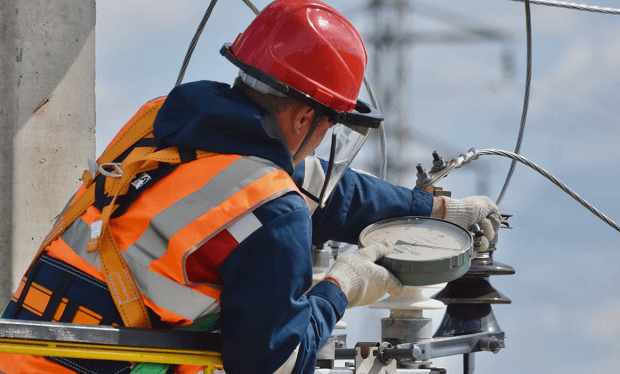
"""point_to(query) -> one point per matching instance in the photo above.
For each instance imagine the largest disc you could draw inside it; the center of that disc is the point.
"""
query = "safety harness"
(107, 189)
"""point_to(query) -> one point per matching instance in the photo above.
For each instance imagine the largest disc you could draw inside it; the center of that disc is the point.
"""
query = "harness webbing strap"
(57, 296)
(142, 158)
(22, 296)
(144, 117)
(118, 276)
(69, 313)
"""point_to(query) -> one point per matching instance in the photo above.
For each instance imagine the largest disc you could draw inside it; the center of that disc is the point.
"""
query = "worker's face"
(315, 139)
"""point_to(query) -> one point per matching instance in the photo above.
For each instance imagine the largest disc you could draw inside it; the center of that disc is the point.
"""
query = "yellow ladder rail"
(109, 343)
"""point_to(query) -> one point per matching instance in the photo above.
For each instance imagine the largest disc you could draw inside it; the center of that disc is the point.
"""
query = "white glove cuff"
(458, 212)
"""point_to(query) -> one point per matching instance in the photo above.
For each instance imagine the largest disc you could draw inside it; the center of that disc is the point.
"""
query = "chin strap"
(330, 169)
(317, 118)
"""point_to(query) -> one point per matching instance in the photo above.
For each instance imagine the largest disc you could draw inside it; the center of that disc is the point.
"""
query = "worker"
(226, 232)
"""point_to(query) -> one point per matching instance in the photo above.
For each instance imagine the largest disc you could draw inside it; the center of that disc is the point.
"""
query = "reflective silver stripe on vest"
(245, 227)
(230, 224)
(154, 242)
(171, 295)
(162, 291)
(165, 292)
(76, 236)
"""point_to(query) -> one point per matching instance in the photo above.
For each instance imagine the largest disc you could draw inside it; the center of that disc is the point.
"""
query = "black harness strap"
(29, 278)
(69, 312)
(146, 142)
(56, 296)
(187, 155)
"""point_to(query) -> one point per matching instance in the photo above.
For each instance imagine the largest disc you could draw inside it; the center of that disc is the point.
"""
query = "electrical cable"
(203, 22)
(584, 7)
(516, 157)
(526, 98)
(192, 45)
(251, 6)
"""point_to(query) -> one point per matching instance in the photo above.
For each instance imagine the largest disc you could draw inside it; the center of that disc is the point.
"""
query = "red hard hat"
(309, 46)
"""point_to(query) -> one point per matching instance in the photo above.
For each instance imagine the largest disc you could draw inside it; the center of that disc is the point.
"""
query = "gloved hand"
(363, 281)
(475, 209)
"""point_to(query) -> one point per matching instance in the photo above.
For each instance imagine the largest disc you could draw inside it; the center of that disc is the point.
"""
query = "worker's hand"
(363, 281)
(475, 209)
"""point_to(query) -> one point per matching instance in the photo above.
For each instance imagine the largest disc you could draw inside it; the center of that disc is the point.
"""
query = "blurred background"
(450, 75)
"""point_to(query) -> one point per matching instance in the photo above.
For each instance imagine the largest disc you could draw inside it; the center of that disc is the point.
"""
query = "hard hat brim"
(363, 115)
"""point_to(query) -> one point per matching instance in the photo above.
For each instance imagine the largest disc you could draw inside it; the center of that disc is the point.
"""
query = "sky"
(565, 311)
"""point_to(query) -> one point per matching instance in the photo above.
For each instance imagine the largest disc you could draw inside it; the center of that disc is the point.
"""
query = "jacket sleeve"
(357, 201)
(265, 314)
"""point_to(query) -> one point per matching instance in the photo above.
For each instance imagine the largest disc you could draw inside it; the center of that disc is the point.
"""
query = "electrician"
(226, 234)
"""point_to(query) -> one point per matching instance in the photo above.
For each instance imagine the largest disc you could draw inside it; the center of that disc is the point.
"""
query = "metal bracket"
(429, 349)
(367, 360)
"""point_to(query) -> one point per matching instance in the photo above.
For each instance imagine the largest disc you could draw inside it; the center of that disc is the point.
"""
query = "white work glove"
(363, 281)
(472, 210)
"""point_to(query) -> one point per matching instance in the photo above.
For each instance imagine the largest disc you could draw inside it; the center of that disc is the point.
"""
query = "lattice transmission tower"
(390, 39)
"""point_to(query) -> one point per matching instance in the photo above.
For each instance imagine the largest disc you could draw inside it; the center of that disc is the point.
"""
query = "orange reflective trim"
(20, 364)
(167, 316)
(61, 309)
(36, 299)
(186, 179)
(20, 288)
(61, 251)
(86, 317)
(265, 188)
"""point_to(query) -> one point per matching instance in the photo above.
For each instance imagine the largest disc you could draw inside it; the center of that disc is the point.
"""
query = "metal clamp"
(429, 179)
(115, 165)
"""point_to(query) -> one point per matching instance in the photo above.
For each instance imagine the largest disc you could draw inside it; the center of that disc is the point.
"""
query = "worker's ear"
(303, 119)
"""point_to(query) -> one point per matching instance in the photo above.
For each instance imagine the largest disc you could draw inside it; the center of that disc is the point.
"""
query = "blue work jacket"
(266, 312)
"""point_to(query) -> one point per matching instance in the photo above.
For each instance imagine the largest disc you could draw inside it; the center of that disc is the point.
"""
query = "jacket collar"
(214, 117)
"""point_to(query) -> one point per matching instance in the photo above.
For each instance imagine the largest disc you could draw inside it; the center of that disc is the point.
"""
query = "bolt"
(438, 163)
(496, 345)
(424, 179)
(416, 352)
(491, 344)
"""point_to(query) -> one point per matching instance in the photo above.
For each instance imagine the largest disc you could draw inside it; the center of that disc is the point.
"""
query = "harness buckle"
(115, 165)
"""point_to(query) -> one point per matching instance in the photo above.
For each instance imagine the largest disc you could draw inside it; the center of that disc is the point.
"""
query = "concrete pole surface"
(47, 121)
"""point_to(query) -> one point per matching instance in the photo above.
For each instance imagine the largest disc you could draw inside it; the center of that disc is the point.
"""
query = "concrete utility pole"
(47, 121)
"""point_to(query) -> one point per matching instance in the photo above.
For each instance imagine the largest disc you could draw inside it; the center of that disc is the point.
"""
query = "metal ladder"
(110, 343)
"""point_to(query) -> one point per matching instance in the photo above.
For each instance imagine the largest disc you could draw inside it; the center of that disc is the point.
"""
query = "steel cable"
(192, 45)
(584, 7)
(251, 6)
(515, 157)
(526, 98)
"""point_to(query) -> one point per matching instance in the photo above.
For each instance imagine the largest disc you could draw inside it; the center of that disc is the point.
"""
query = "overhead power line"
(584, 7)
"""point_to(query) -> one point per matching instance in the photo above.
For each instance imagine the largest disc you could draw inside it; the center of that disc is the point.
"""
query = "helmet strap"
(317, 118)
(330, 169)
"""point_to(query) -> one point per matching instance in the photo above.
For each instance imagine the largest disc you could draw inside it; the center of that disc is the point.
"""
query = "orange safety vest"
(169, 221)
